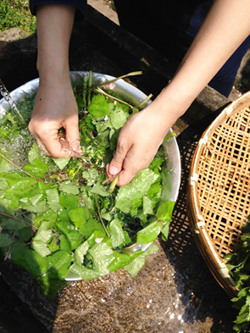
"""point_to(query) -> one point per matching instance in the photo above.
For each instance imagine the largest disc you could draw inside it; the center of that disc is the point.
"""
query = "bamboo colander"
(218, 198)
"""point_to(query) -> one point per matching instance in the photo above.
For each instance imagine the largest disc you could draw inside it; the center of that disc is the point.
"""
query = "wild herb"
(239, 266)
(61, 216)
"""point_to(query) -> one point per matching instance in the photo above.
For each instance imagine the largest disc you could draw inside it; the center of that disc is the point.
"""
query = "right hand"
(55, 107)
(138, 143)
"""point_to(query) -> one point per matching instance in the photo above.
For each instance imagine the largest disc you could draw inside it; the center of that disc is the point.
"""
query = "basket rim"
(196, 218)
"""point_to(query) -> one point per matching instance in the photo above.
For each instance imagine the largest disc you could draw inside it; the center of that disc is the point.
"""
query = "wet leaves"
(84, 227)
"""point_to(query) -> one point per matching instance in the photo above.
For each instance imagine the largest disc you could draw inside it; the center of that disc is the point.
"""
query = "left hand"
(56, 108)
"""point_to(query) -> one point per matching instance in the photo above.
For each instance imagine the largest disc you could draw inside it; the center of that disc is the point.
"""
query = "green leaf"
(90, 226)
(37, 168)
(135, 190)
(102, 256)
(53, 245)
(165, 231)
(53, 199)
(96, 235)
(91, 176)
(29, 260)
(68, 201)
(5, 166)
(244, 314)
(121, 260)
(73, 236)
(117, 236)
(134, 267)
(100, 190)
(34, 153)
(80, 252)
(48, 215)
(79, 216)
(60, 262)
(151, 250)
(83, 272)
(5, 240)
(118, 117)
(41, 248)
(24, 234)
(61, 162)
(165, 210)
(38, 208)
(149, 233)
(147, 205)
(69, 188)
(18, 183)
(64, 244)
(98, 106)
(52, 283)
(3, 184)
(42, 236)
(34, 200)
(11, 224)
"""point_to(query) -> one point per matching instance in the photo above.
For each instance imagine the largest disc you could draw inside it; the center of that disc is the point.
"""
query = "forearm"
(55, 105)
(54, 26)
(225, 28)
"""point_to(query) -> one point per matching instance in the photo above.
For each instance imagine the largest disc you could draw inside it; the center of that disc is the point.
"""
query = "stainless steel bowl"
(128, 93)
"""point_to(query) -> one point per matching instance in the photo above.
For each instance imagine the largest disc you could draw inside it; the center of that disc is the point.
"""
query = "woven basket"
(218, 198)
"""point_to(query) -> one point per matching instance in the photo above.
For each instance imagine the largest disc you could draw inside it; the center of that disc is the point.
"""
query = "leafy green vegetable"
(60, 217)
(238, 264)
(117, 235)
(149, 233)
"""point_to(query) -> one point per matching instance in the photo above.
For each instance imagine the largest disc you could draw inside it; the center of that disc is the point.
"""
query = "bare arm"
(55, 105)
(227, 25)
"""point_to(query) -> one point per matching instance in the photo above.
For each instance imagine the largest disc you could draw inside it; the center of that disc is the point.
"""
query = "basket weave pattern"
(219, 186)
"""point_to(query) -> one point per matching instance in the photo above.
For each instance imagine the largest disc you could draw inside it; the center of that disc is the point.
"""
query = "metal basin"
(130, 94)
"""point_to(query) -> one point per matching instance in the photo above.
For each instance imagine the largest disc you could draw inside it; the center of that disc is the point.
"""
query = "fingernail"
(113, 170)
(78, 150)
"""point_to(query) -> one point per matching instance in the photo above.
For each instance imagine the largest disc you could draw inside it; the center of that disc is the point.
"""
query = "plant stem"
(17, 219)
(100, 91)
(146, 100)
(114, 182)
(7, 253)
(16, 166)
(98, 210)
(117, 78)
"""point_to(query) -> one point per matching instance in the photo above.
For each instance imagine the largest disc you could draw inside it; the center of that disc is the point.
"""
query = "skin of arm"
(226, 26)
(55, 105)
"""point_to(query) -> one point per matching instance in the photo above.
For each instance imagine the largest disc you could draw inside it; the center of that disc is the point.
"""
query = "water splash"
(4, 92)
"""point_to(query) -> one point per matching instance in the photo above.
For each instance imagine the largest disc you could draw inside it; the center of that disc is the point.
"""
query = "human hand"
(137, 144)
(56, 108)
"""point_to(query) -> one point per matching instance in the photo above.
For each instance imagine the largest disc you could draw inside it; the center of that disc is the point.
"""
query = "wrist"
(53, 73)
(171, 104)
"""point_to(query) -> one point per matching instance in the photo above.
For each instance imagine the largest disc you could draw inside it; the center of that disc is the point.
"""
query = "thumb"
(116, 164)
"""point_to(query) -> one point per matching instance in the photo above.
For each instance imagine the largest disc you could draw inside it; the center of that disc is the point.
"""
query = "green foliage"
(60, 216)
(16, 14)
(239, 266)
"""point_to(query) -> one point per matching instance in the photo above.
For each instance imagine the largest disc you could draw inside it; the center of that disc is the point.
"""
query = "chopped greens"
(59, 216)
(238, 264)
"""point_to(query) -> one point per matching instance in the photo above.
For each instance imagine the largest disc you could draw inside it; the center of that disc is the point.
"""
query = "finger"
(56, 148)
(116, 165)
(41, 146)
(73, 135)
(49, 142)
(136, 160)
